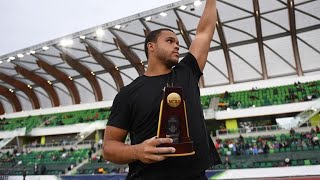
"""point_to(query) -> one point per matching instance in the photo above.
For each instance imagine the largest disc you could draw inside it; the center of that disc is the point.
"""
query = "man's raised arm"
(200, 45)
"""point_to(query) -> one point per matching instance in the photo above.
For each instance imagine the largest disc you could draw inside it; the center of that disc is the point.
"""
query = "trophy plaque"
(173, 122)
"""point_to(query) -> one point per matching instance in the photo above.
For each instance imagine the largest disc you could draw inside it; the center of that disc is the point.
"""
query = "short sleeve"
(190, 61)
(120, 111)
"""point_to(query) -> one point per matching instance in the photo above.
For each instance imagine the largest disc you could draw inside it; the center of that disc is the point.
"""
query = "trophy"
(173, 122)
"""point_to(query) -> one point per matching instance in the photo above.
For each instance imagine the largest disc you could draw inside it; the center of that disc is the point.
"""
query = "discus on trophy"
(173, 122)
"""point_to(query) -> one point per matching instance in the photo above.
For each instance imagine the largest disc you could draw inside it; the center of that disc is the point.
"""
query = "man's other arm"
(200, 45)
(115, 150)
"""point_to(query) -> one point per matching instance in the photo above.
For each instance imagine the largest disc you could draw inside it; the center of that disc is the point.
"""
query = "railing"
(5, 141)
(8, 147)
(258, 129)
(69, 143)
(248, 130)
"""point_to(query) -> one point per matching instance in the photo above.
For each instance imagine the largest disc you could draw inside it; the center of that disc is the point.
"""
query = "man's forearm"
(208, 18)
(200, 45)
(119, 152)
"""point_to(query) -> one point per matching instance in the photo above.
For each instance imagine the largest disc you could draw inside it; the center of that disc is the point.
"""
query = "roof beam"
(185, 34)
(129, 54)
(61, 77)
(106, 63)
(23, 87)
(146, 30)
(225, 48)
(293, 31)
(257, 18)
(1, 109)
(12, 97)
(46, 85)
(85, 72)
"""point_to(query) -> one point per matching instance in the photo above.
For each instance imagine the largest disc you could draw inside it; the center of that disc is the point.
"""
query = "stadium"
(259, 91)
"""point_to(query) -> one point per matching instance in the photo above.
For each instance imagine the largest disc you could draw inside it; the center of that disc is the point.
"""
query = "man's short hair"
(152, 37)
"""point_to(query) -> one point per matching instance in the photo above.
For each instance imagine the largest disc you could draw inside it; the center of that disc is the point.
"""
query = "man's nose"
(177, 47)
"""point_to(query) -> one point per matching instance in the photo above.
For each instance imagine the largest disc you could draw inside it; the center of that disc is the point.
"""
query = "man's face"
(167, 48)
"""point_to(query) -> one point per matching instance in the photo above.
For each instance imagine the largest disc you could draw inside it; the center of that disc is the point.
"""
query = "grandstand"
(263, 68)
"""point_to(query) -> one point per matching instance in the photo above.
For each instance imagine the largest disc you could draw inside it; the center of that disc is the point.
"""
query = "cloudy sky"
(29, 22)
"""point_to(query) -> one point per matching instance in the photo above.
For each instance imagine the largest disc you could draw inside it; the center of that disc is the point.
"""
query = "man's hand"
(148, 152)
(116, 151)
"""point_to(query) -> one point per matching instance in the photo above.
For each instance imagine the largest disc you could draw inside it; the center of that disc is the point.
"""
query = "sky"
(26, 23)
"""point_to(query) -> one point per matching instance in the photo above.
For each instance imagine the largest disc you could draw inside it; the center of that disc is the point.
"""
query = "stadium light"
(66, 42)
(183, 7)
(82, 37)
(20, 55)
(117, 26)
(32, 52)
(10, 59)
(163, 14)
(148, 18)
(99, 32)
(1, 62)
(45, 48)
(197, 3)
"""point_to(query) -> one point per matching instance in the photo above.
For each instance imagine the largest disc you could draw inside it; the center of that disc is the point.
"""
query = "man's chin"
(172, 63)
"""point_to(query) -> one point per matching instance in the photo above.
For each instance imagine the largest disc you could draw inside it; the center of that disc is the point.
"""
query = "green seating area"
(57, 119)
(240, 99)
(28, 122)
(305, 158)
(14, 164)
(300, 148)
(266, 96)
(75, 117)
(244, 164)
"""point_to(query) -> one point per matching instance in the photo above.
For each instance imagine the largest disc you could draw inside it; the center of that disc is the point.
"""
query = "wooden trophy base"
(182, 149)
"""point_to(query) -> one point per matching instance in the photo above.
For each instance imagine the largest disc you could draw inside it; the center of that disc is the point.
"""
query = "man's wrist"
(134, 152)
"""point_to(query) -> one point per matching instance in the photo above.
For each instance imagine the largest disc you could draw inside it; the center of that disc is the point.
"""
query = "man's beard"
(170, 63)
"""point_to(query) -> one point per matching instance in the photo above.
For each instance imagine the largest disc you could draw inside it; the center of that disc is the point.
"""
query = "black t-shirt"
(136, 109)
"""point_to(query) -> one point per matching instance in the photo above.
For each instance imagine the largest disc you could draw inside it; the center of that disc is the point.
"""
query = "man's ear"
(150, 46)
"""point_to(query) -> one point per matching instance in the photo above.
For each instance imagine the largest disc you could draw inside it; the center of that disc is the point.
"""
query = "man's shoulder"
(131, 87)
(189, 57)
(190, 64)
(187, 61)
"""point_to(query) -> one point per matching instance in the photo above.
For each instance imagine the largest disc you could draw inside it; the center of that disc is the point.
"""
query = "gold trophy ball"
(173, 99)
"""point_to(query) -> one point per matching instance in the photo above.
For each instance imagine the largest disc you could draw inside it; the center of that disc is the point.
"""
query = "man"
(136, 108)
(43, 169)
(24, 173)
(36, 169)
